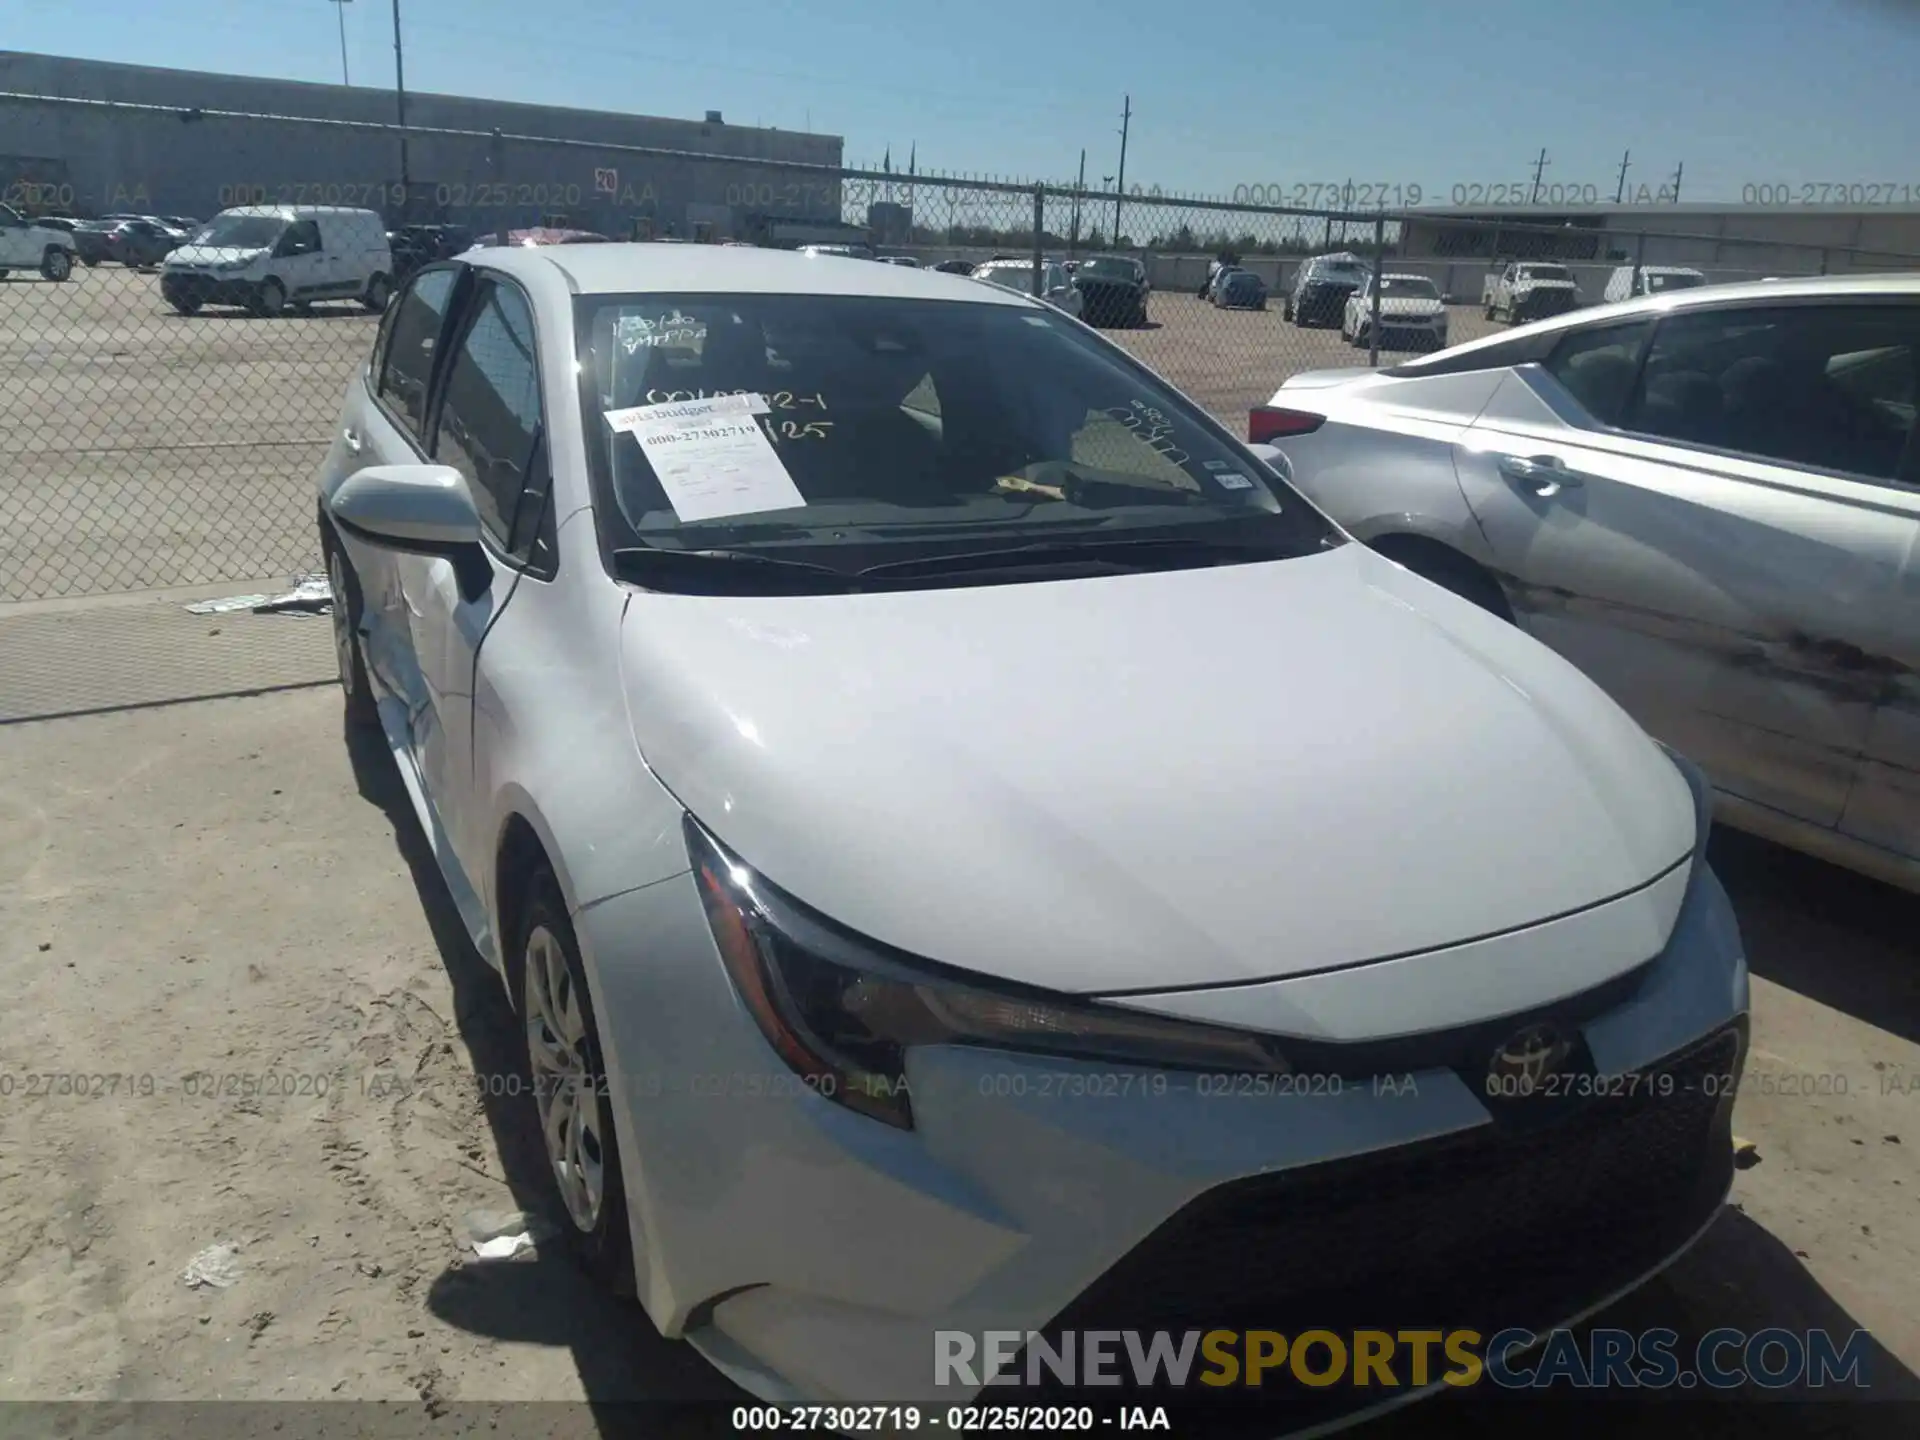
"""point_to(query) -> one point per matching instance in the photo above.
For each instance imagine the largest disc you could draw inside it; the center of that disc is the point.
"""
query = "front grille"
(1511, 1224)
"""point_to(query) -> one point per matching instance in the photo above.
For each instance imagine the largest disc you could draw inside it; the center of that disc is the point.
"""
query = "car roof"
(624, 267)
(287, 212)
(1667, 302)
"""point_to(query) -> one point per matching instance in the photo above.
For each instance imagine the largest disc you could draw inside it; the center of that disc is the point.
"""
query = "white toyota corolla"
(974, 850)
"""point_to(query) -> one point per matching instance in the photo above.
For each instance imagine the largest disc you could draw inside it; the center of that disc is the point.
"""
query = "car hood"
(214, 255)
(1136, 782)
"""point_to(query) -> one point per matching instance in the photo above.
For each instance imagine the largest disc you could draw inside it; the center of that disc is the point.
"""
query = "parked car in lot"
(1320, 289)
(142, 243)
(707, 706)
(1708, 499)
(1239, 290)
(906, 260)
(90, 237)
(955, 267)
(1528, 290)
(1017, 276)
(28, 245)
(1113, 290)
(1629, 282)
(266, 257)
(415, 245)
(1413, 315)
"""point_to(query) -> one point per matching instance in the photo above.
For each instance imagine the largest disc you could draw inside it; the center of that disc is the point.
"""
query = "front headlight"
(843, 1011)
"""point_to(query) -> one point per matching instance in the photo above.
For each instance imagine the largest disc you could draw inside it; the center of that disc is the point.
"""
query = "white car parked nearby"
(1708, 499)
(1629, 283)
(27, 246)
(266, 257)
(1412, 314)
(1056, 286)
(920, 778)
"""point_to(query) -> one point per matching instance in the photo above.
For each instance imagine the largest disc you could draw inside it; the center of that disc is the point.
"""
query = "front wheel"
(56, 264)
(271, 298)
(570, 1094)
(362, 710)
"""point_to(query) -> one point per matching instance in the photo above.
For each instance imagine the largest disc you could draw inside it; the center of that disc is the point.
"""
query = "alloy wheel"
(563, 1088)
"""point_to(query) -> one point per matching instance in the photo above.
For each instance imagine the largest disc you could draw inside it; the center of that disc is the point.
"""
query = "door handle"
(1545, 475)
(352, 441)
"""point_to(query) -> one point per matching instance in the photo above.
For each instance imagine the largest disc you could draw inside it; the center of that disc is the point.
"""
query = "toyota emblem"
(1527, 1059)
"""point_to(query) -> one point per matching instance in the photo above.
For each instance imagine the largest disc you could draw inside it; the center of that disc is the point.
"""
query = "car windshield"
(1338, 269)
(1545, 272)
(243, 232)
(1656, 283)
(891, 428)
(1008, 277)
(1412, 287)
(1110, 269)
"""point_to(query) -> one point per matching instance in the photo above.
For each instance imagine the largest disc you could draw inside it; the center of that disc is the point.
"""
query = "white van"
(267, 257)
(1627, 283)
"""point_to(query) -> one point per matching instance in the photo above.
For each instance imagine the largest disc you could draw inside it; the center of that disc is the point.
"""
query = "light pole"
(400, 96)
(340, 9)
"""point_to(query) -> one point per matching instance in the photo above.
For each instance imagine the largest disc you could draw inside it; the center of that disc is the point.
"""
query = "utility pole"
(1079, 188)
(340, 9)
(400, 96)
(1678, 170)
(1126, 121)
(1539, 169)
(1620, 190)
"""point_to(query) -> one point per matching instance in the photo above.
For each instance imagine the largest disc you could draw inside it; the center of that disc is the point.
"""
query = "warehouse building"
(87, 137)
(1735, 239)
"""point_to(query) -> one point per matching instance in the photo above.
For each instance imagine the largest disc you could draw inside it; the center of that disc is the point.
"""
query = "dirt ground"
(223, 889)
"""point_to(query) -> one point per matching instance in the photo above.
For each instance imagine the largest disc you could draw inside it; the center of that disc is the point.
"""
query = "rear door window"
(1826, 387)
(407, 365)
(1598, 366)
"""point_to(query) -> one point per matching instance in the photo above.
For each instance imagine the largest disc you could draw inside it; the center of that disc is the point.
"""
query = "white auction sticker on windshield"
(693, 410)
(713, 459)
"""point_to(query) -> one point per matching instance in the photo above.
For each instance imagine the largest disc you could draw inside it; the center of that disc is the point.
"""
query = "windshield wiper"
(1147, 552)
(646, 564)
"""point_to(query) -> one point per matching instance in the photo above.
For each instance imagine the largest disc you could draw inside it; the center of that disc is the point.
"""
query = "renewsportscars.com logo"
(1387, 1360)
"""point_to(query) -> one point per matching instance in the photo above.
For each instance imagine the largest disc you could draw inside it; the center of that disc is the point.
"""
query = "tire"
(56, 264)
(186, 304)
(566, 1064)
(1286, 308)
(270, 298)
(379, 291)
(362, 710)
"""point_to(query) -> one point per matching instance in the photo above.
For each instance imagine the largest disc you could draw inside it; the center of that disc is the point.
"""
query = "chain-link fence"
(167, 392)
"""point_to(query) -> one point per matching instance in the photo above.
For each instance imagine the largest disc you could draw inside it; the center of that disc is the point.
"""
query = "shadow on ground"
(1798, 915)
(547, 1299)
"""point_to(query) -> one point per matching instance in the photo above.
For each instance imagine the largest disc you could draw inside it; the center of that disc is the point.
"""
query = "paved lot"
(140, 448)
(223, 887)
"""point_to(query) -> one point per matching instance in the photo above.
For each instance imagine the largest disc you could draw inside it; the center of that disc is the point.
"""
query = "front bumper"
(1412, 334)
(205, 288)
(1323, 304)
(812, 1253)
(1113, 305)
(1539, 304)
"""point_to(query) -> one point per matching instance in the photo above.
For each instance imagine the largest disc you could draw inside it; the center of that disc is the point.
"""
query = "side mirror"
(418, 510)
(1275, 461)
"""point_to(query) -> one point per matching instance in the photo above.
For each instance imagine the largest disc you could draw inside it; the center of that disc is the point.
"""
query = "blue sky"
(1226, 93)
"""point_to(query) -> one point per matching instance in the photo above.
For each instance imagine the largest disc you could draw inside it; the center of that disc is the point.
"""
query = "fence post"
(1823, 259)
(497, 156)
(1639, 265)
(1039, 230)
(1379, 268)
